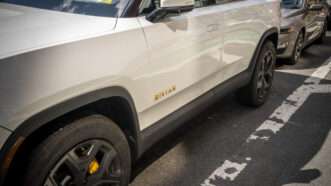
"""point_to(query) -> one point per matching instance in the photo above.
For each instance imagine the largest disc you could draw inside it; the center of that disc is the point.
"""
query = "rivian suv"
(88, 85)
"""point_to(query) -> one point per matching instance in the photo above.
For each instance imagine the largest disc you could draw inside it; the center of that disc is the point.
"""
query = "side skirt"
(166, 125)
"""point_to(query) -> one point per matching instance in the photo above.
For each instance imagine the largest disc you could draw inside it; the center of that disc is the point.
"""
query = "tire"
(257, 91)
(321, 38)
(73, 153)
(298, 47)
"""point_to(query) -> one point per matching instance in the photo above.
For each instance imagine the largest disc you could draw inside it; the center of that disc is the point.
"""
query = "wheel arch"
(112, 102)
(272, 35)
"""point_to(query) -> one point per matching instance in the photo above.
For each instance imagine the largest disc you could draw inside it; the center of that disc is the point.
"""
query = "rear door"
(245, 21)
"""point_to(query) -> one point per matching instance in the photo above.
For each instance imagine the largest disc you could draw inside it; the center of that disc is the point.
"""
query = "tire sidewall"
(293, 61)
(49, 152)
(268, 46)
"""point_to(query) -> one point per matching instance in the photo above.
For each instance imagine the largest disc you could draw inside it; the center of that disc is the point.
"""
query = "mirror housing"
(170, 7)
(316, 7)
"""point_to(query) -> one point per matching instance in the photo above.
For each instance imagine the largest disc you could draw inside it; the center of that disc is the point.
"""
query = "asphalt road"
(286, 142)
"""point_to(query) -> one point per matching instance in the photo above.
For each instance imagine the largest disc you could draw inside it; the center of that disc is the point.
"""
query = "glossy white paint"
(194, 52)
(201, 49)
(34, 29)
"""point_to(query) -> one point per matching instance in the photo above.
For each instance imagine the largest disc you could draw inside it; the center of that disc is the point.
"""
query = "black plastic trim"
(163, 127)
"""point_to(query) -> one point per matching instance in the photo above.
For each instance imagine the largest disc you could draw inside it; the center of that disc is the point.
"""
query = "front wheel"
(257, 91)
(88, 152)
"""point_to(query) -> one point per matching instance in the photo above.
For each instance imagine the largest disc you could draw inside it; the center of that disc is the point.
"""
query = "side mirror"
(170, 7)
(316, 7)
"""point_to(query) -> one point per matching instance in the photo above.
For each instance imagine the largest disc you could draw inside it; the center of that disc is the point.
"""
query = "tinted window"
(106, 8)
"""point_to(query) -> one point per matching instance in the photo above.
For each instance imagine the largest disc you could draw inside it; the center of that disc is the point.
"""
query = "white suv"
(88, 85)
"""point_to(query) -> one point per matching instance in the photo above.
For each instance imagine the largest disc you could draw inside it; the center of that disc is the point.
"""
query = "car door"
(245, 21)
(243, 28)
(185, 49)
(314, 21)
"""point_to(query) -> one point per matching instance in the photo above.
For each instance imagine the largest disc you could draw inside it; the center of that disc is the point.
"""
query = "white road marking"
(277, 120)
(228, 171)
(323, 89)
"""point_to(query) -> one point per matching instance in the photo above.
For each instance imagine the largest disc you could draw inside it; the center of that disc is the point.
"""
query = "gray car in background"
(303, 22)
(328, 3)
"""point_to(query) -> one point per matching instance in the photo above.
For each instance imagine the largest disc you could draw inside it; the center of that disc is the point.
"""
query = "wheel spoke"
(104, 170)
(94, 149)
(265, 84)
(269, 63)
(106, 161)
(263, 64)
(260, 81)
(50, 182)
(77, 168)
(270, 72)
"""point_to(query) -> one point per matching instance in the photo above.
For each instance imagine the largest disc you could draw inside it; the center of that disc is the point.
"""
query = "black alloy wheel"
(297, 49)
(265, 75)
(257, 91)
(92, 163)
(89, 151)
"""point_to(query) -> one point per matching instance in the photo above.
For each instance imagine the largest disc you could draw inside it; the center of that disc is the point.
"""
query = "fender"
(266, 35)
(40, 119)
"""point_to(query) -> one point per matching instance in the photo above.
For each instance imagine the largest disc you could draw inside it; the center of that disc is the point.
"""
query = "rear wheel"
(257, 91)
(297, 49)
(89, 152)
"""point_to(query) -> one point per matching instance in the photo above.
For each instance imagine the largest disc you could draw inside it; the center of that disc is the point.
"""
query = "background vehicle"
(302, 23)
(328, 3)
(83, 96)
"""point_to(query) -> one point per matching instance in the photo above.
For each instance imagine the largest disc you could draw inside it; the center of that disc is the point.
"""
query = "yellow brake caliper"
(93, 167)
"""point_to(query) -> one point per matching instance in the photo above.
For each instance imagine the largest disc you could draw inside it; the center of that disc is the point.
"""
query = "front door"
(185, 49)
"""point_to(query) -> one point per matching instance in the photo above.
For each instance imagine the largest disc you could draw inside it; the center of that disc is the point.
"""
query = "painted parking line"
(292, 103)
(276, 121)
